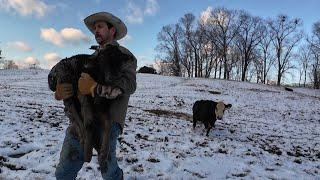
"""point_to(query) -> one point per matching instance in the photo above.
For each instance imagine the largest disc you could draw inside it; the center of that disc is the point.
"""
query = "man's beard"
(101, 40)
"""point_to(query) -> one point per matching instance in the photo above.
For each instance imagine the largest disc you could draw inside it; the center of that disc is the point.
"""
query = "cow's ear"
(228, 106)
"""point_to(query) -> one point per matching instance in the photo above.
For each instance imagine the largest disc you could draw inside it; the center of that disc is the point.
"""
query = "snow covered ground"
(269, 133)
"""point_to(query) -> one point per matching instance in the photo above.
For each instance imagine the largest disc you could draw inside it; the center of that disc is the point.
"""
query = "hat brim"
(121, 29)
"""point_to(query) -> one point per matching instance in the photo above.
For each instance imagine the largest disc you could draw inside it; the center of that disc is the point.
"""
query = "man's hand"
(63, 91)
(108, 92)
(115, 92)
(86, 84)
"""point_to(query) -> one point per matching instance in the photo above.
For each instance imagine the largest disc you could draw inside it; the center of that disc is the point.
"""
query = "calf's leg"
(207, 126)
(105, 145)
(194, 123)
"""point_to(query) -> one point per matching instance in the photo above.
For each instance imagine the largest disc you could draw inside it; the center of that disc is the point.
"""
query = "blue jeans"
(72, 158)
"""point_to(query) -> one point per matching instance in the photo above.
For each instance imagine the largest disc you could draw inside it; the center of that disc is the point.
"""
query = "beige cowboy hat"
(121, 29)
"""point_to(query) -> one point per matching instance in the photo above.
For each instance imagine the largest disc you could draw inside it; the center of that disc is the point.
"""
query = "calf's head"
(220, 108)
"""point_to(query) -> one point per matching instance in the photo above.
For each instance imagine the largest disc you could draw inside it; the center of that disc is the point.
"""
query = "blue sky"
(49, 30)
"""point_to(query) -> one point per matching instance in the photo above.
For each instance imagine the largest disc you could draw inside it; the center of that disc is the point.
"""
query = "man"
(107, 28)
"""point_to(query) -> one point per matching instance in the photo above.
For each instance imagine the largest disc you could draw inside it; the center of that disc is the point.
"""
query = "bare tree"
(1, 59)
(236, 45)
(267, 57)
(10, 64)
(187, 60)
(204, 50)
(169, 44)
(235, 56)
(315, 70)
(189, 57)
(315, 49)
(247, 39)
(211, 47)
(304, 58)
(223, 27)
(285, 36)
(163, 68)
(195, 42)
(211, 59)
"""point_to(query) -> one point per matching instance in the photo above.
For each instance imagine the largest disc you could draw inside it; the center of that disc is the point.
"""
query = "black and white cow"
(208, 112)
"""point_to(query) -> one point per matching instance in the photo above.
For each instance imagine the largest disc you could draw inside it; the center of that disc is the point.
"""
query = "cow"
(208, 112)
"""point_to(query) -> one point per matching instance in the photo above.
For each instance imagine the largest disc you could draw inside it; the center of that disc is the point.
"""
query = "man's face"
(102, 33)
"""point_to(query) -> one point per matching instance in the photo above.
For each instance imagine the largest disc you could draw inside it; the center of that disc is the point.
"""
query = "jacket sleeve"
(127, 81)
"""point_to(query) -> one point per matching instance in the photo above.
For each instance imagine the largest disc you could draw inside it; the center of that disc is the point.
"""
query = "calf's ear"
(228, 106)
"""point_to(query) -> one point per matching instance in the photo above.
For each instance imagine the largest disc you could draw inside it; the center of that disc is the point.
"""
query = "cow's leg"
(208, 130)
(212, 123)
(88, 146)
(207, 127)
(194, 122)
(88, 119)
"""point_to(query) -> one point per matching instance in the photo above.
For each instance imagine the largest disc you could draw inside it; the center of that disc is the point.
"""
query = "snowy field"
(269, 133)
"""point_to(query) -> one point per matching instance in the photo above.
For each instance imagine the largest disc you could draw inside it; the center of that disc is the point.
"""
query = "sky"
(47, 31)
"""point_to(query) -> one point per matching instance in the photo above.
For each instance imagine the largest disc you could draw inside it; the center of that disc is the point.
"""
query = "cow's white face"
(220, 108)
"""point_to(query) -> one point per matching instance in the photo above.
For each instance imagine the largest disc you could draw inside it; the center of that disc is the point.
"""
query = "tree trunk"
(243, 76)
(196, 65)
(220, 69)
(305, 78)
(279, 78)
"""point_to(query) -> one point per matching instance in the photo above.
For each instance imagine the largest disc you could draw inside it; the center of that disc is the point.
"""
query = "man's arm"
(125, 85)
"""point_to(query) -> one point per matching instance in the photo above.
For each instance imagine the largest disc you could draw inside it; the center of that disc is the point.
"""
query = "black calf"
(208, 112)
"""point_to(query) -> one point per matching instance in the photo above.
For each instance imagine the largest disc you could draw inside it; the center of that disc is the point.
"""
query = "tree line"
(11, 64)
(233, 44)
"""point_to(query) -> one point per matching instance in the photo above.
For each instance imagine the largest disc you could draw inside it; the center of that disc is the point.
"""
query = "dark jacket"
(125, 78)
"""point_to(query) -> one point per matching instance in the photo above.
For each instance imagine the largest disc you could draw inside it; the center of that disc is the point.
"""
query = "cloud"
(136, 14)
(51, 35)
(73, 35)
(205, 15)
(26, 7)
(31, 60)
(125, 40)
(151, 7)
(51, 57)
(19, 45)
(65, 36)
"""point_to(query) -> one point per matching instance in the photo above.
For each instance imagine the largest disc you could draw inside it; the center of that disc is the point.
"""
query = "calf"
(79, 107)
(84, 110)
(208, 112)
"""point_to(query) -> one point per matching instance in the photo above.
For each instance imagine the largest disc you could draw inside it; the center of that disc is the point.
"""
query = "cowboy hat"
(121, 29)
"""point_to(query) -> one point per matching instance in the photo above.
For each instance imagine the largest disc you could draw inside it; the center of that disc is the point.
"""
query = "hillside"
(268, 132)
